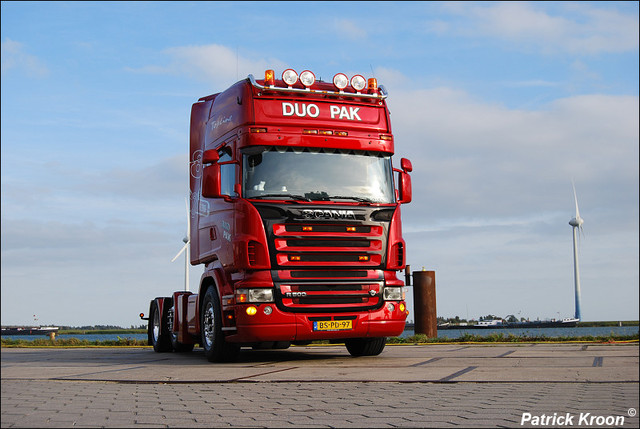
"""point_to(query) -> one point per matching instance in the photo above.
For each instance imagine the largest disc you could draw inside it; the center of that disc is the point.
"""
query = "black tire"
(179, 347)
(216, 349)
(159, 335)
(365, 346)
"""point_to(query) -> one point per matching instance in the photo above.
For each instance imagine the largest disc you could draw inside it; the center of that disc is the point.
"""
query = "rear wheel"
(216, 349)
(365, 346)
(159, 335)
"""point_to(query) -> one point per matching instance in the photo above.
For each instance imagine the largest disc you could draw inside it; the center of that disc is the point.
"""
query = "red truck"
(295, 214)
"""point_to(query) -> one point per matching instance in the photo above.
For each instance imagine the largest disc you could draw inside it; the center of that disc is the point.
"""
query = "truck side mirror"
(406, 166)
(210, 156)
(211, 175)
(404, 181)
(405, 187)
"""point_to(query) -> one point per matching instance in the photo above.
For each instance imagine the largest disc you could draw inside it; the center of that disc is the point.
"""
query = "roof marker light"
(341, 81)
(358, 83)
(290, 77)
(372, 85)
(307, 78)
(269, 77)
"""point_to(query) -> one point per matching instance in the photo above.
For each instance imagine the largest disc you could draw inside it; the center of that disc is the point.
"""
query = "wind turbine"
(576, 223)
(186, 240)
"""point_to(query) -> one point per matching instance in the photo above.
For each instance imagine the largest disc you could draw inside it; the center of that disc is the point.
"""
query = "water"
(89, 337)
(597, 331)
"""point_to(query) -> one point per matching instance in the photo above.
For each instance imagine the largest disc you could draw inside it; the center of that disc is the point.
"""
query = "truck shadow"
(251, 356)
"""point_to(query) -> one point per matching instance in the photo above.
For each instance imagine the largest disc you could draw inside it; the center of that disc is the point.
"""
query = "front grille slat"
(328, 266)
(326, 245)
(326, 296)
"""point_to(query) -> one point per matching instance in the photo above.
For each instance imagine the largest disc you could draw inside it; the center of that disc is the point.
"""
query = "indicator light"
(258, 130)
(385, 137)
(251, 310)
(401, 307)
(372, 85)
(307, 228)
(294, 258)
(351, 229)
(363, 258)
(269, 77)
(309, 131)
(326, 132)
(341, 133)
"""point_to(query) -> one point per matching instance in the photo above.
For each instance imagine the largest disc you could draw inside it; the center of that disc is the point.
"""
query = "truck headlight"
(260, 295)
(393, 294)
(254, 295)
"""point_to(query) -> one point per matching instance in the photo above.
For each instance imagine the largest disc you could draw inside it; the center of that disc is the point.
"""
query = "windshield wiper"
(344, 197)
(292, 196)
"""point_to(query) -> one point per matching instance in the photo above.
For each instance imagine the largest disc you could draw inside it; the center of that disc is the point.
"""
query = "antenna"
(186, 240)
(576, 223)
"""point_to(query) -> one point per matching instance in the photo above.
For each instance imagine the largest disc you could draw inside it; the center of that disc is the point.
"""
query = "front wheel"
(365, 346)
(216, 349)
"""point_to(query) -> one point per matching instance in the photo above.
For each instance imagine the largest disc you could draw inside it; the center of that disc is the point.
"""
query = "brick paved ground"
(441, 386)
(308, 404)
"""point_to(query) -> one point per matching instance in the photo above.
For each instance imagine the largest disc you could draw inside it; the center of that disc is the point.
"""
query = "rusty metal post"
(424, 302)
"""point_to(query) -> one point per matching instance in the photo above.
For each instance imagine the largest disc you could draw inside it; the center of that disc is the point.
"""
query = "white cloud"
(474, 159)
(580, 30)
(15, 58)
(348, 28)
(215, 64)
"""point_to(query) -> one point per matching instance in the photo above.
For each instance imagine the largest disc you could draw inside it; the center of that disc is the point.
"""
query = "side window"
(227, 171)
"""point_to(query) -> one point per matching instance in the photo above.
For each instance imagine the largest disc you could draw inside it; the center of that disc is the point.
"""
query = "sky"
(500, 106)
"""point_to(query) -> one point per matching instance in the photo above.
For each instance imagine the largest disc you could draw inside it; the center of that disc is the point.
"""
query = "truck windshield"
(315, 174)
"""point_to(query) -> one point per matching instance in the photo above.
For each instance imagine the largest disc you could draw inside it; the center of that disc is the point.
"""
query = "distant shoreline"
(76, 331)
(579, 324)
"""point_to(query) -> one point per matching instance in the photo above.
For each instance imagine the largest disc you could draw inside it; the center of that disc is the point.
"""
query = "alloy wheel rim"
(209, 327)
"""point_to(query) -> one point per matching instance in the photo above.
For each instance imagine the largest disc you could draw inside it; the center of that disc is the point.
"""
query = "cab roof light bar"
(379, 93)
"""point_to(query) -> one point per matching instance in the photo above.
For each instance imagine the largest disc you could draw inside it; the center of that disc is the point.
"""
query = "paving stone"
(29, 399)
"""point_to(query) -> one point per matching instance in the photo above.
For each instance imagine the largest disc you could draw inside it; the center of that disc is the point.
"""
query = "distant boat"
(568, 322)
(494, 323)
(26, 330)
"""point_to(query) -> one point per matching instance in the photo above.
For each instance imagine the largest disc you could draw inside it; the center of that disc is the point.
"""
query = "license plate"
(333, 325)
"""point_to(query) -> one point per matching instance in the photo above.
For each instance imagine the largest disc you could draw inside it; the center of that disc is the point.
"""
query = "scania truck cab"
(295, 215)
